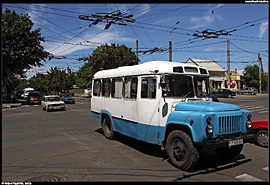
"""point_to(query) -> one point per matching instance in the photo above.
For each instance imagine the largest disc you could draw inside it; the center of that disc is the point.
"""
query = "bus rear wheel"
(108, 128)
(181, 151)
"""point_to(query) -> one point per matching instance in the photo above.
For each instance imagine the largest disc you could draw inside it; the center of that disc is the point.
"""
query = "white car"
(52, 102)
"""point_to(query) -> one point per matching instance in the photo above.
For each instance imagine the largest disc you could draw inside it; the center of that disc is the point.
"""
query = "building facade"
(216, 72)
(218, 75)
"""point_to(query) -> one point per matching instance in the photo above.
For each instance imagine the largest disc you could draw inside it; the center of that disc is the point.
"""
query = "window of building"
(148, 88)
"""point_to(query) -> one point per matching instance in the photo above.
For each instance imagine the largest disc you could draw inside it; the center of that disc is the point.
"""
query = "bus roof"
(152, 67)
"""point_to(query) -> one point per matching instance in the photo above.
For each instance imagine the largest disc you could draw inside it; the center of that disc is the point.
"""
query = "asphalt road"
(70, 146)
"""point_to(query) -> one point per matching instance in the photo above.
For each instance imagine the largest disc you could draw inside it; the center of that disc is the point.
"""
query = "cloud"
(144, 9)
(205, 20)
(89, 39)
(209, 49)
(263, 28)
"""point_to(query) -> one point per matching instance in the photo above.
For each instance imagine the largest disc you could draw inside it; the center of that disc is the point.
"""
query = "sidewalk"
(10, 105)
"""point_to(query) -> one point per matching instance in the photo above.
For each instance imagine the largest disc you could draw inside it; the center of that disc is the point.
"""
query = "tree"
(251, 77)
(105, 57)
(39, 82)
(55, 80)
(21, 46)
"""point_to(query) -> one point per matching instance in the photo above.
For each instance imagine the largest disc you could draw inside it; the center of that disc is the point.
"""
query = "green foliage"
(21, 46)
(56, 80)
(251, 77)
(105, 57)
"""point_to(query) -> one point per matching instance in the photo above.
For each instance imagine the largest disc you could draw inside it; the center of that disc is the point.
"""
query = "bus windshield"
(186, 86)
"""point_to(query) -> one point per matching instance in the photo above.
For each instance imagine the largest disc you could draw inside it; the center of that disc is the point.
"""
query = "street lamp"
(170, 40)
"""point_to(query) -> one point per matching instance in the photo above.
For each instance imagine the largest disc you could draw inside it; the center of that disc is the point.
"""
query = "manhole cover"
(45, 178)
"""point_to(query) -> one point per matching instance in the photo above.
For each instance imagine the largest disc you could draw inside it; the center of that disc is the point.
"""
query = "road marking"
(257, 110)
(246, 106)
(247, 178)
(251, 106)
(263, 112)
(266, 168)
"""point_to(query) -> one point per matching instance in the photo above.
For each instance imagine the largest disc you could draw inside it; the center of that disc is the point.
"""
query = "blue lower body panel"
(142, 132)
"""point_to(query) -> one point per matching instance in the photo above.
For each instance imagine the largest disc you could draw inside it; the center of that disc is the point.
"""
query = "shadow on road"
(226, 164)
(146, 148)
(209, 161)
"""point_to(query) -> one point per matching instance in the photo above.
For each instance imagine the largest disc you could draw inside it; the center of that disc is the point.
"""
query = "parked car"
(12, 99)
(26, 92)
(67, 98)
(248, 90)
(34, 97)
(261, 131)
(223, 93)
(52, 102)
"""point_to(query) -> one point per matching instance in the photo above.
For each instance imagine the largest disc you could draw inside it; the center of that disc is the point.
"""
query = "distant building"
(218, 75)
(216, 72)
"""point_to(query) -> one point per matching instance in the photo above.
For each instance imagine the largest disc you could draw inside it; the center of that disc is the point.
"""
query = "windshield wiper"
(188, 93)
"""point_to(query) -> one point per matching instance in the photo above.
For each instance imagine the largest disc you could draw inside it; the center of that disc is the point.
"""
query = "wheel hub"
(179, 150)
(263, 138)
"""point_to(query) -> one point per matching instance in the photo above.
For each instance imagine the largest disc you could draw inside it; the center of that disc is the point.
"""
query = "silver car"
(52, 102)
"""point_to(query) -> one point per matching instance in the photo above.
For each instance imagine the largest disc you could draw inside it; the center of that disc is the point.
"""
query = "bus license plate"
(235, 142)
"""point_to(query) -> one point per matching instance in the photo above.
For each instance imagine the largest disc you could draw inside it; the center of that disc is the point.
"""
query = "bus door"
(148, 110)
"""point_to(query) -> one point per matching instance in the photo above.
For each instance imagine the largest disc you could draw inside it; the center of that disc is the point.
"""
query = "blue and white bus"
(168, 104)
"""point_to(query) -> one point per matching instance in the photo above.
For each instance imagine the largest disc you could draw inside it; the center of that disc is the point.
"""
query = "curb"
(5, 106)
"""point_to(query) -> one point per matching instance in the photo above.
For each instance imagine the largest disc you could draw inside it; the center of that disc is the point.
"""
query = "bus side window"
(131, 87)
(134, 84)
(148, 88)
(96, 90)
(106, 87)
(117, 88)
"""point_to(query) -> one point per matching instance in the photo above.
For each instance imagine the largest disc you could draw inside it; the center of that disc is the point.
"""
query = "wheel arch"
(259, 129)
(104, 114)
(175, 126)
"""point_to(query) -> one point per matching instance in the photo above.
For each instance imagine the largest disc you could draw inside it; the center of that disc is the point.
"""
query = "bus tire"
(181, 151)
(108, 128)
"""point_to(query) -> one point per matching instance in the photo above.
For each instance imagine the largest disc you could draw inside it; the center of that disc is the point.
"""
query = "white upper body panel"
(152, 67)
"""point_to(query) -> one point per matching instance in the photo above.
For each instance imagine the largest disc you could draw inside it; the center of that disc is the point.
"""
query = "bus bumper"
(227, 142)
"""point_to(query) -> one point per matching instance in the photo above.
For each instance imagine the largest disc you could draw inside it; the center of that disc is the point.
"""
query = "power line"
(80, 42)
(40, 11)
(46, 19)
(146, 9)
(165, 12)
(246, 50)
(139, 38)
(202, 45)
(70, 39)
(248, 22)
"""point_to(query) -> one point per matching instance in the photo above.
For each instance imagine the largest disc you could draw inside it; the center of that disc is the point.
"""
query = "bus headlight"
(209, 128)
(248, 124)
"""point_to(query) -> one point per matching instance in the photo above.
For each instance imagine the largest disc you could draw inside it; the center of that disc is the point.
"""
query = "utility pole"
(137, 49)
(260, 71)
(228, 60)
(170, 41)
(170, 49)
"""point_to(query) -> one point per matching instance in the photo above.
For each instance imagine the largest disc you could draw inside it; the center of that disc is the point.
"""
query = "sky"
(69, 38)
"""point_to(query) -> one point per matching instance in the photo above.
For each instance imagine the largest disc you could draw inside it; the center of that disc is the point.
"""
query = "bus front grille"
(229, 124)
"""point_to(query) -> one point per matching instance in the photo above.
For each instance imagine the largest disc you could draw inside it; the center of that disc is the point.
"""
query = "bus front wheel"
(108, 128)
(180, 150)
